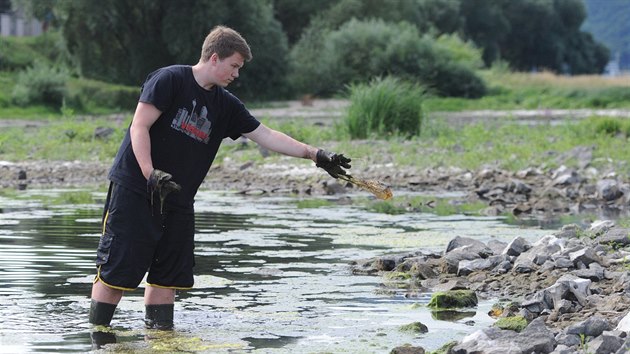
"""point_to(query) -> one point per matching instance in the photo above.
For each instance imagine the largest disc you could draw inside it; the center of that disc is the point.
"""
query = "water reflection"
(269, 277)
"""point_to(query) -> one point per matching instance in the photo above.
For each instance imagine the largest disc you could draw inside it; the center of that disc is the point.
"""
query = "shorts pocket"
(104, 246)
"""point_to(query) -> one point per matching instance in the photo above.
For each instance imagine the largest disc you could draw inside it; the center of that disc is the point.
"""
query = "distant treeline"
(320, 47)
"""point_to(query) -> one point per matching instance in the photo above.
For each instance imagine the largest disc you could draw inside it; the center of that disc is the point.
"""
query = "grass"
(509, 91)
(506, 145)
(62, 139)
(502, 143)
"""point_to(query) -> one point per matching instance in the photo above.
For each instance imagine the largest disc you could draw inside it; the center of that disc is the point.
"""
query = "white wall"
(16, 25)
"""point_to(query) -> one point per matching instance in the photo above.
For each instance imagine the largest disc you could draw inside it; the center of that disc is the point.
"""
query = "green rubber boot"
(159, 316)
(101, 313)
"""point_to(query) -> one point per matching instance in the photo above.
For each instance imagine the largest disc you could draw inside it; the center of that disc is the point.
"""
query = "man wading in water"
(183, 114)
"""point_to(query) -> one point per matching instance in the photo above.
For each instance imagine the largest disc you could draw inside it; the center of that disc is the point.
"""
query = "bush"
(41, 84)
(362, 50)
(87, 95)
(20, 53)
(385, 107)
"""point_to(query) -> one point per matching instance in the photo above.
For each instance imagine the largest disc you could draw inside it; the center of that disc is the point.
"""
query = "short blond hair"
(224, 41)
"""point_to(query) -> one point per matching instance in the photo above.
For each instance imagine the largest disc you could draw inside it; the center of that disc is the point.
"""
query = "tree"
(123, 41)
(296, 15)
(486, 25)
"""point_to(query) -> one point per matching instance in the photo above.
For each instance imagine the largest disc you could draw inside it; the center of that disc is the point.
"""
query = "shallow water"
(270, 278)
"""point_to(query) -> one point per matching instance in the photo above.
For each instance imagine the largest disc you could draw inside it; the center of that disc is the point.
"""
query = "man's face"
(226, 70)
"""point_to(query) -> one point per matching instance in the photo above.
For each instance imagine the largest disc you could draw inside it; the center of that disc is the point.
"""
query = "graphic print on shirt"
(196, 126)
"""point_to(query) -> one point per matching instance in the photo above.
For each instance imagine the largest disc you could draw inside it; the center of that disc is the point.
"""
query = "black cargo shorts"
(136, 239)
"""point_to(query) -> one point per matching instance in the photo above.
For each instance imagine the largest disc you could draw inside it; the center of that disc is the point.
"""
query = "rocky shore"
(571, 288)
(536, 191)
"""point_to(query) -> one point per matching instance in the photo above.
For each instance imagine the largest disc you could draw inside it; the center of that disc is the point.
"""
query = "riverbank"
(534, 191)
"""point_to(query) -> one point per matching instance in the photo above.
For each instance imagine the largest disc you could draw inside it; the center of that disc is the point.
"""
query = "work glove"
(333, 163)
(160, 181)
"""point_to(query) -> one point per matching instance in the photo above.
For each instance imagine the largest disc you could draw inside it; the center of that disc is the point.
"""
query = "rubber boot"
(159, 316)
(101, 313)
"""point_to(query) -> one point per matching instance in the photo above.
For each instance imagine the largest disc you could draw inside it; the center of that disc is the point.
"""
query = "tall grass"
(385, 107)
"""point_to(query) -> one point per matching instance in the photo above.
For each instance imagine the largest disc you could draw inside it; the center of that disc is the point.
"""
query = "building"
(15, 23)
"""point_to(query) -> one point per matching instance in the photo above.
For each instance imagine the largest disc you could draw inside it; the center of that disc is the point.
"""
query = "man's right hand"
(161, 181)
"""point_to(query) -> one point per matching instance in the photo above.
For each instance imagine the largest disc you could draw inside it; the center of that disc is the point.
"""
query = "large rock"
(536, 338)
(592, 327)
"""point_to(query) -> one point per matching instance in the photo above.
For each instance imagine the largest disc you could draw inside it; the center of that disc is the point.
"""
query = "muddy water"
(270, 278)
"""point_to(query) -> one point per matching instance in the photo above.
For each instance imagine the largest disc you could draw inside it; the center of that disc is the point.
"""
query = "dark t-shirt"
(186, 136)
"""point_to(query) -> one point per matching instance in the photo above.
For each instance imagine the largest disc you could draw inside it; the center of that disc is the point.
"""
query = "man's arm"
(146, 114)
(282, 143)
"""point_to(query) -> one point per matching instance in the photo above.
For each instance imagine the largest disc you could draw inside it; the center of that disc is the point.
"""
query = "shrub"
(15, 54)
(87, 95)
(361, 50)
(385, 107)
(608, 126)
(41, 84)
(20, 53)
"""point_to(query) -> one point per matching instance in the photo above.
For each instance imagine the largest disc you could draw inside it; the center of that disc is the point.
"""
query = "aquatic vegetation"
(453, 299)
(415, 327)
(513, 323)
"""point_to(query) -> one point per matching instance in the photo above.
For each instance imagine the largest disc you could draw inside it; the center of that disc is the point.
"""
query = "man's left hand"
(333, 163)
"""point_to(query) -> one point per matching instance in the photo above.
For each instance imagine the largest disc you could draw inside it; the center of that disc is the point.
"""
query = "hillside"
(609, 22)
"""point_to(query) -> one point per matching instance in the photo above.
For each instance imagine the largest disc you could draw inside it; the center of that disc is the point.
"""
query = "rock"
(450, 262)
(625, 347)
(563, 349)
(568, 231)
(469, 245)
(517, 246)
(407, 349)
(618, 236)
(624, 324)
(563, 262)
(600, 226)
(103, 132)
(519, 187)
(496, 246)
(605, 344)
(453, 299)
(578, 287)
(591, 327)
(417, 267)
(595, 272)
(385, 264)
(608, 189)
(535, 338)
(415, 327)
(569, 340)
(451, 284)
(584, 257)
(568, 178)
(466, 267)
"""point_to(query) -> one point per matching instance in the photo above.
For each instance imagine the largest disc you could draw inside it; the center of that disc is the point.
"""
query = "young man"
(182, 116)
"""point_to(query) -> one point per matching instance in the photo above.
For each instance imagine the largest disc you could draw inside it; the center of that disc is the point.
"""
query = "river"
(271, 277)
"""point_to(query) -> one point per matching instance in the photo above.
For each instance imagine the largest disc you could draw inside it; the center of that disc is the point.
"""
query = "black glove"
(160, 181)
(332, 163)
